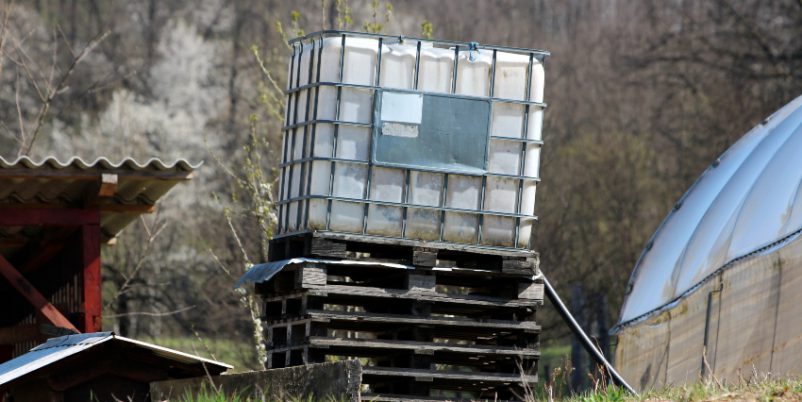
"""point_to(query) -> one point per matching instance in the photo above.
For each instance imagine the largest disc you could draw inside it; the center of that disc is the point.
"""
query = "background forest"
(642, 96)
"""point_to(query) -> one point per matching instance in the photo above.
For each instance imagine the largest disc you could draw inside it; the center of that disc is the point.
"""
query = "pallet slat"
(450, 375)
(432, 321)
(421, 347)
(421, 295)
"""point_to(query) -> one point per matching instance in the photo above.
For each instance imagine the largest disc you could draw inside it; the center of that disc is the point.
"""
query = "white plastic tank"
(333, 177)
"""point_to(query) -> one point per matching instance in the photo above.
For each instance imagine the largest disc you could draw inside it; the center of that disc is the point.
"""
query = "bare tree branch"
(151, 313)
(54, 89)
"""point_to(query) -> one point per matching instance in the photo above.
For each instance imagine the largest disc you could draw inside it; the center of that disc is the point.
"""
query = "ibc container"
(425, 140)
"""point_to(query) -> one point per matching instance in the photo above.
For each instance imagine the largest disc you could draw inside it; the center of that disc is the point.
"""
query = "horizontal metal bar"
(415, 168)
(399, 204)
(328, 121)
(332, 33)
(526, 140)
(325, 159)
(541, 105)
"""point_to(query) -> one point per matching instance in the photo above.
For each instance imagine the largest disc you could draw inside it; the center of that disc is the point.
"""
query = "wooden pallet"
(418, 253)
(422, 332)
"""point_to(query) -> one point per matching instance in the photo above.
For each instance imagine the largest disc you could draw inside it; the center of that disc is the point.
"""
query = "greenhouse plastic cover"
(747, 200)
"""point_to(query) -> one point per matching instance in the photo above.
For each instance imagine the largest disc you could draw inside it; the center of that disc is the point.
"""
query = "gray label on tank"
(442, 132)
(400, 129)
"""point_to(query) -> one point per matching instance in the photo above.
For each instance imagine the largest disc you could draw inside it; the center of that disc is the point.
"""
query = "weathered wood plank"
(416, 243)
(416, 346)
(424, 257)
(422, 282)
(326, 316)
(450, 375)
(420, 295)
(531, 291)
(328, 248)
(313, 275)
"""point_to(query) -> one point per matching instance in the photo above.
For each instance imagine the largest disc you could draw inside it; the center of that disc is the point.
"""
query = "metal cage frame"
(306, 130)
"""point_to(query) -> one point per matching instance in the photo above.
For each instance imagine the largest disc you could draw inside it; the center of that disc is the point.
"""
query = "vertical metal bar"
(336, 133)
(443, 198)
(307, 128)
(294, 137)
(314, 135)
(493, 75)
(481, 216)
(405, 200)
(417, 66)
(522, 163)
(366, 192)
(285, 134)
(454, 73)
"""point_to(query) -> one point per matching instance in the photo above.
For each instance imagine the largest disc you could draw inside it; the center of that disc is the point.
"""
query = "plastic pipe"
(583, 337)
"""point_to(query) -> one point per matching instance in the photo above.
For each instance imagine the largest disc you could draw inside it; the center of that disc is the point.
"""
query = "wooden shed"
(54, 216)
(98, 366)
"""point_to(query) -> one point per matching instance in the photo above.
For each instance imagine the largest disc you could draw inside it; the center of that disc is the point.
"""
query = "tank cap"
(473, 48)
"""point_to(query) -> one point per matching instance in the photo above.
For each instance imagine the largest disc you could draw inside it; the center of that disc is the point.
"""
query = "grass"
(768, 390)
(207, 394)
(242, 357)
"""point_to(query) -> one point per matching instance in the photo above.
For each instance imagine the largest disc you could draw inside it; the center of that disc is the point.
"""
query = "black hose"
(583, 337)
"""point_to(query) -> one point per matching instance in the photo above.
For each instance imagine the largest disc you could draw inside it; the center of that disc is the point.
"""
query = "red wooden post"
(90, 255)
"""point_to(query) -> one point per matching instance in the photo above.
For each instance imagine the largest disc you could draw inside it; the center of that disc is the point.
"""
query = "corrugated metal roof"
(57, 349)
(104, 163)
(749, 199)
(50, 182)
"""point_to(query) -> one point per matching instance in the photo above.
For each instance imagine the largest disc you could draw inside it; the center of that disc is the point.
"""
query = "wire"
(583, 337)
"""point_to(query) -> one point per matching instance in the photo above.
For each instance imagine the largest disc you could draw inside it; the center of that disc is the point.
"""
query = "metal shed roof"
(49, 182)
(749, 200)
(57, 349)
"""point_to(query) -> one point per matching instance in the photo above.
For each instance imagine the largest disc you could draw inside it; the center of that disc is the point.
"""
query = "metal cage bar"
(336, 134)
(366, 191)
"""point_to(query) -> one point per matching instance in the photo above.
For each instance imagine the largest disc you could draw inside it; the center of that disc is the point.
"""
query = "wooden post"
(90, 256)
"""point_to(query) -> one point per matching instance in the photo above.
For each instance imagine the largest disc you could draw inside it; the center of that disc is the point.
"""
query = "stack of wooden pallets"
(427, 323)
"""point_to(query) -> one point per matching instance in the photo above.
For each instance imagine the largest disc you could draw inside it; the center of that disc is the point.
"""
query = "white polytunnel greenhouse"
(718, 289)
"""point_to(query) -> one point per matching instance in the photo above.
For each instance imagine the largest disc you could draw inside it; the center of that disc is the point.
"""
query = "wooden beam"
(40, 303)
(108, 185)
(90, 256)
(103, 207)
(48, 217)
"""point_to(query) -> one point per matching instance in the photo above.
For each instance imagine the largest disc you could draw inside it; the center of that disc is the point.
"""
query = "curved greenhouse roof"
(750, 198)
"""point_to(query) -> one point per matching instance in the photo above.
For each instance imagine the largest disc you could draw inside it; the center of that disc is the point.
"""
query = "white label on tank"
(400, 129)
(402, 107)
